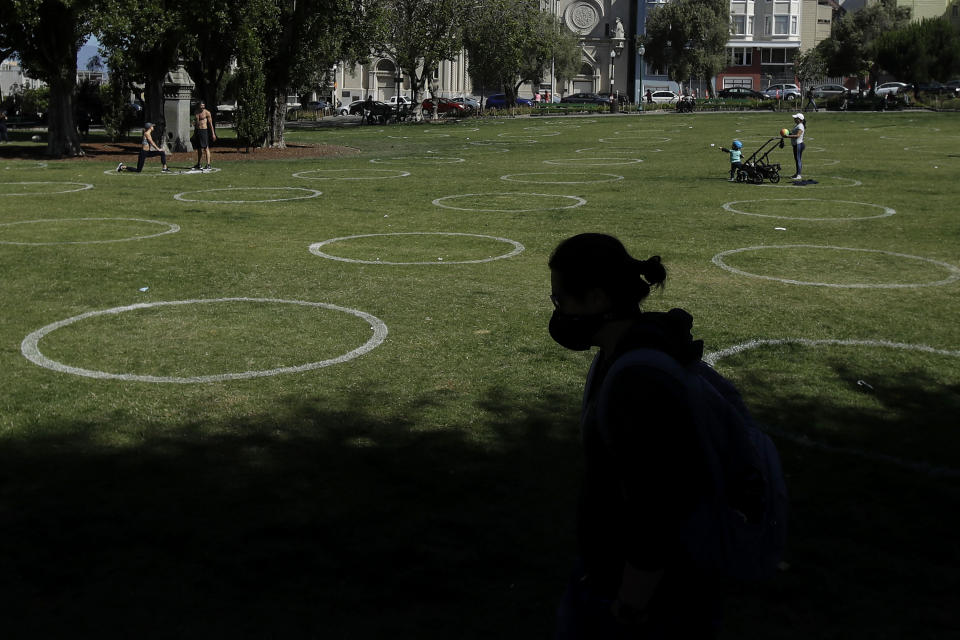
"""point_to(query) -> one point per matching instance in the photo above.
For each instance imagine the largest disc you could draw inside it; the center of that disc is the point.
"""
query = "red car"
(446, 107)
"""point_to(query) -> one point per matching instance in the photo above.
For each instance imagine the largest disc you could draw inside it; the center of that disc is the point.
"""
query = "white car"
(664, 97)
(891, 87)
(787, 92)
(398, 99)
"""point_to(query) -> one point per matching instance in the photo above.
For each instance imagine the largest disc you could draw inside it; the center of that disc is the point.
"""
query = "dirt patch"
(225, 152)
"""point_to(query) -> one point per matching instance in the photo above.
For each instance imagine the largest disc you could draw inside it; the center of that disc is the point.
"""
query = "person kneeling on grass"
(148, 149)
(736, 158)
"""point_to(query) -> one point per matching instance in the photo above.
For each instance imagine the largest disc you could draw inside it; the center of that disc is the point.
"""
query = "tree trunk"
(277, 119)
(154, 108)
(62, 136)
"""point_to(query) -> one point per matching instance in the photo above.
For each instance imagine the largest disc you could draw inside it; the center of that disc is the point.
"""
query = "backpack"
(739, 531)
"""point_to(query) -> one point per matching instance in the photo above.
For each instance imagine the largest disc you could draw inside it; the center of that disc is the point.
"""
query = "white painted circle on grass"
(545, 134)
(593, 162)
(310, 193)
(886, 211)
(24, 165)
(153, 172)
(603, 177)
(954, 271)
(351, 174)
(617, 150)
(923, 467)
(75, 186)
(31, 351)
(632, 139)
(821, 163)
(171, 228)
(517, 248)
(428, 159)
(578, 201)
(853, 183)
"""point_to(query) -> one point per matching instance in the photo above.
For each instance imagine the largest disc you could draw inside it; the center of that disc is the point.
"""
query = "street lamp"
(639, 98)
(613, 57)
(399, 90)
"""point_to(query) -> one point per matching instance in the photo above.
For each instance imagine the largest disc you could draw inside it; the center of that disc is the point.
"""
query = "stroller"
(757, 168)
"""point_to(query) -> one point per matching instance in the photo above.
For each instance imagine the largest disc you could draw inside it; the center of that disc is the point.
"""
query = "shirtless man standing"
(203, 123)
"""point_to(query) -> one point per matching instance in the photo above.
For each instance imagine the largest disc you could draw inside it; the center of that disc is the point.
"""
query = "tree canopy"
(921, 51)
(851, 47)
(688, 38)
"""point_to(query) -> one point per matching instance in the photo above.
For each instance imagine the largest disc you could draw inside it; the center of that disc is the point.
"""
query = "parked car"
(355, 108)
(471, 103)
(892, 87)
(394, 100)
(783, 91)
(227, 108)
(446, 107)
(740, 92)
(936, 88)
(499, 101)
(586, 98)
(664, 97)
(829, 91)
(318, 105)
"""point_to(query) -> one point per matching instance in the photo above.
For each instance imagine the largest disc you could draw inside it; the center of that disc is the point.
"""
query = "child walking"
(736, 158)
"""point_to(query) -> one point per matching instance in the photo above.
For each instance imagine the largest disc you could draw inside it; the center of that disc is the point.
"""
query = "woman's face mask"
(575, 331)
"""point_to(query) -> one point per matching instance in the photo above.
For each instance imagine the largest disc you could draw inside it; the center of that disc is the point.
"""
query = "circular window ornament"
(315, 248)
(582, 17)
(31, 350)
(170, 228)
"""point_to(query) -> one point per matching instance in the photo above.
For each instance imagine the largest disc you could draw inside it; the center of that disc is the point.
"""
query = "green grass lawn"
(426, 488)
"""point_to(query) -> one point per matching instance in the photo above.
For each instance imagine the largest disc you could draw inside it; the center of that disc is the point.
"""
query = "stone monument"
(177, 92)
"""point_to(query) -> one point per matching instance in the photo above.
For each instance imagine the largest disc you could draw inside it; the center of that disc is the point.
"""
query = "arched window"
(586, 70)
(386, 66)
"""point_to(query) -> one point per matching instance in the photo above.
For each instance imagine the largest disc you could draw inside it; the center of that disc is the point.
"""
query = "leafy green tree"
(149, 34)
(419, 34)
(851, 48)
(510, 42)
(688, 38)
(567, 55)
(921, 51)
(251, 115)
(809, 66)
(300, 40)
(45, 36)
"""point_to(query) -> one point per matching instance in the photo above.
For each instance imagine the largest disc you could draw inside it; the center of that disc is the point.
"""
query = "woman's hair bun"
(653, 271)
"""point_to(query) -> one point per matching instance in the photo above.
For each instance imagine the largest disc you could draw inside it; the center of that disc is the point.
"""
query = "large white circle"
(593, 162)
(433, 159)
(396, 173)
(855, 183)
(25, 164)
(578, 201)
(152, 172)
(618, 150)
(313, 193)
(171, 228)
(632, 139)
(714, 357)
(517, 248)
(31, 351)
(887, 211)
(82, 186)
(954, 271)
(609, 177)
(545, 134)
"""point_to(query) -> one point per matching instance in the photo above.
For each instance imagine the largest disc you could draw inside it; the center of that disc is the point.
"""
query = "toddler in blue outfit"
(736, 158)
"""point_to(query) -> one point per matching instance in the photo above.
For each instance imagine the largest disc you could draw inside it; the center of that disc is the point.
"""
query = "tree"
(688, 38)
(147, 35)
(419, 34)
(809, 66)
(45, 35)
(567, 58)
(251, 115)
(299, 40)
(921, 51)
(510, 42)
(851, 47)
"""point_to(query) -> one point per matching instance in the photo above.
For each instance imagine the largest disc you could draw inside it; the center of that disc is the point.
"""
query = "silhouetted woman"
(644, 471)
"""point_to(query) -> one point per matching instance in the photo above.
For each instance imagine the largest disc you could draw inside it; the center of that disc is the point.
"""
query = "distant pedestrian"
(3, 126)
(204, 134)
(649, 96)
(148, 149)
(536, 99)
(811, 103)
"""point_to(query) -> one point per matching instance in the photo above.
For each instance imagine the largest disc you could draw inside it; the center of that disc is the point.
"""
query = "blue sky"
(88, 50)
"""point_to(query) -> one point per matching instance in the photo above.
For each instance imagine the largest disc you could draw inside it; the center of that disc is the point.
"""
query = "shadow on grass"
(306, 523)
(349, 522)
